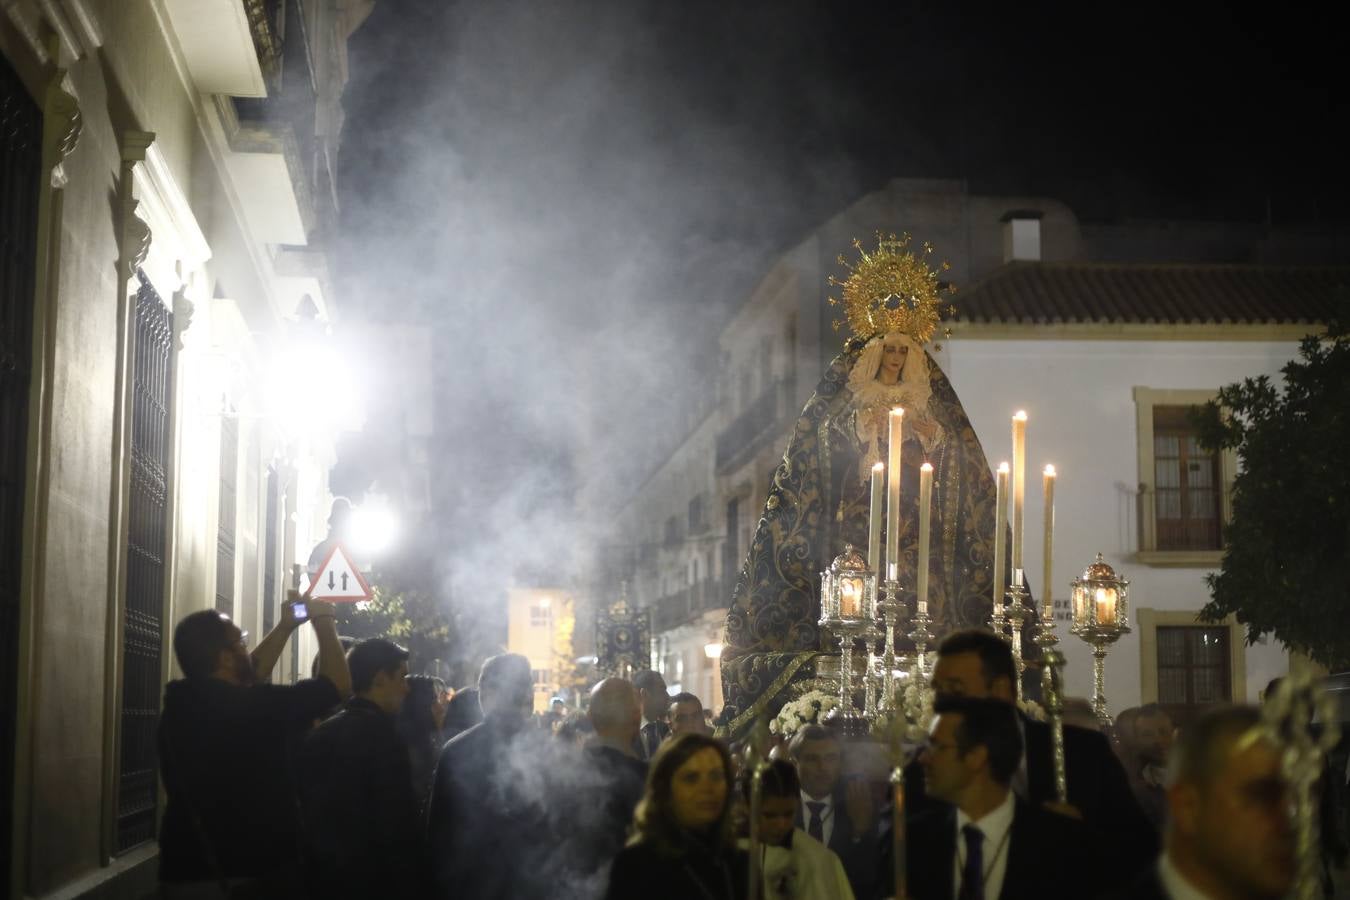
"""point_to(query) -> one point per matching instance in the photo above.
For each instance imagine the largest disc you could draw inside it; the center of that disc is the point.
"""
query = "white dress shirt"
(1174, 884)
(826, 816)
(995, 826)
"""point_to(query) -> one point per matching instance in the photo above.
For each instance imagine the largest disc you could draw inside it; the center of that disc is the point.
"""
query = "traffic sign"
(339, 579)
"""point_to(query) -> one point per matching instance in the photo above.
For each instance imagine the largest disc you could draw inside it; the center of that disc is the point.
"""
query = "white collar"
(994, 824)
(1174, 884)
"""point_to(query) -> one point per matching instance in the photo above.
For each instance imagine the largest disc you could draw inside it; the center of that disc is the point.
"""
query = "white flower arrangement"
(916, 700)
(807, 709)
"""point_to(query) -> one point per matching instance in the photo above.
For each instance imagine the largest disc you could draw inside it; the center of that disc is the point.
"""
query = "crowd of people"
(365, 781)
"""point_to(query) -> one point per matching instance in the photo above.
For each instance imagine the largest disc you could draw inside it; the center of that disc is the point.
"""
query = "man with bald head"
(614, 774)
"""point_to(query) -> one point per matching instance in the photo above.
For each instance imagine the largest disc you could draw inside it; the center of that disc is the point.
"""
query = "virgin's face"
(698, 790)
(893, 354)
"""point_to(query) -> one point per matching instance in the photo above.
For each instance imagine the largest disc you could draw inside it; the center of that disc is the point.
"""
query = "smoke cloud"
(569, 204)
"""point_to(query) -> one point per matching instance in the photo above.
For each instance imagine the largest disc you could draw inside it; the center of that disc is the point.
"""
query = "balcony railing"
(684, 605)
(1171, 523)
(744, 435)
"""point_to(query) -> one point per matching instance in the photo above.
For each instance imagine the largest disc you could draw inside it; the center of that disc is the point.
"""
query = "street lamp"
(1101, 614)
(314, 387)
(374, 527)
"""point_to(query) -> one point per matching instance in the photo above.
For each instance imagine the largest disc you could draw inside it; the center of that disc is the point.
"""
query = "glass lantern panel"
(1106, 606)
(850, 598)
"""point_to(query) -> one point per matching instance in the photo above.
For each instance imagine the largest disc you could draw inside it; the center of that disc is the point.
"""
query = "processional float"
(863, 605)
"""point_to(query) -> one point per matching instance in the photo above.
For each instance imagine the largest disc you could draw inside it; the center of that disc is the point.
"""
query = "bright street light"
(374, 527)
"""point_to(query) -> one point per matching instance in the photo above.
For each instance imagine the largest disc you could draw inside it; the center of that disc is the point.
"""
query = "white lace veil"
(911, 392)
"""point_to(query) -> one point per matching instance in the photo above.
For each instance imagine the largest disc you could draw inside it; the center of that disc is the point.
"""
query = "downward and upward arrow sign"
(340, 578)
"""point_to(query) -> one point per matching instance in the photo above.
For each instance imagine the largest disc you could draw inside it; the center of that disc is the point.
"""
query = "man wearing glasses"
(224, 753)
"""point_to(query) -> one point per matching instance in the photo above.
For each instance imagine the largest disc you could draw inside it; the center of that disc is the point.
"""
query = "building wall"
(538, 639)
(127, 74)
(1081, 417)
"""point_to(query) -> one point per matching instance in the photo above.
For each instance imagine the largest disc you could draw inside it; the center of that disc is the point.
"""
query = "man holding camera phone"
(231, 823)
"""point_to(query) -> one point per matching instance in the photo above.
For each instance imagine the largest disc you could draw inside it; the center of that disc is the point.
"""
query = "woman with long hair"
(683, 844)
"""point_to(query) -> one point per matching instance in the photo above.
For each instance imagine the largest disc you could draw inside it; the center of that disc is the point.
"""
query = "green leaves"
(413, 618)
(1286, 569)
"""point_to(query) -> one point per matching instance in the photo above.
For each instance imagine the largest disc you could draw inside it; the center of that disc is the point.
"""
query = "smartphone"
(301, 612)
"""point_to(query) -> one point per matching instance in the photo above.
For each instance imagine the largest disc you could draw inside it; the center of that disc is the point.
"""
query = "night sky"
(574, 196)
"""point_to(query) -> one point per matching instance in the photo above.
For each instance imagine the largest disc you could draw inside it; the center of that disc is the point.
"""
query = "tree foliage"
(1286, 569)
(409, 616)
(569, 674)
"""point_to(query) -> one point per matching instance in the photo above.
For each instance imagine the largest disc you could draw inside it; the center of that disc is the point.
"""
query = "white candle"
(1019, 486)
(896, 420)
(1049, 482)
(925, 501)
(1000, 536)
(874, 522)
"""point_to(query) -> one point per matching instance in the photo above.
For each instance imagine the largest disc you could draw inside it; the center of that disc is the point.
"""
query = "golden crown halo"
(892, 289)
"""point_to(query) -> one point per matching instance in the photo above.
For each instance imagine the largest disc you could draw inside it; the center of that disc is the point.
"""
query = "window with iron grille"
(225, 520)
(1194, 669)
(1188, 504)
(271, 535)
(541, 616)
(20, 176)
(147, 539)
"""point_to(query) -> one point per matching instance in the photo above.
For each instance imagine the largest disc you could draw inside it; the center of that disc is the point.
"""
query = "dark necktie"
(972, 876)
(816, 827)
(651, 738)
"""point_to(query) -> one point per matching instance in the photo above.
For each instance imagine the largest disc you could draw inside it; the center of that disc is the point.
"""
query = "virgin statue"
(819, 494)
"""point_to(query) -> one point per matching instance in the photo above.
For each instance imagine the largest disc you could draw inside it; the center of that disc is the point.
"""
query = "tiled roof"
(1051, 292)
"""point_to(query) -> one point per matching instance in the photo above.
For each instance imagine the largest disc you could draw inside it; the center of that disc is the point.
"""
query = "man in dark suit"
(361, 816)
(982, 842)
(979, 664)
(496, 787)
(838, 812)
(655, 702)
(1228, 829)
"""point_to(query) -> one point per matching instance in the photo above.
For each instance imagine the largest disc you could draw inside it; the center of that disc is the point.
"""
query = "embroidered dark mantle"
(816, 504)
